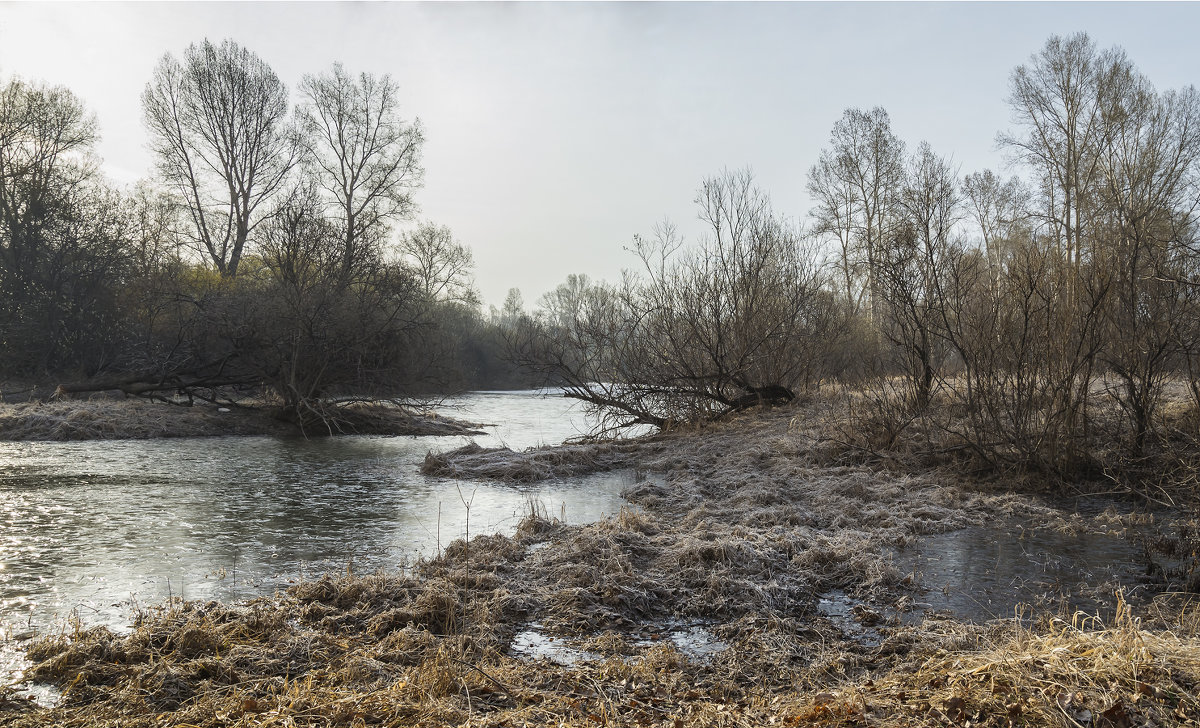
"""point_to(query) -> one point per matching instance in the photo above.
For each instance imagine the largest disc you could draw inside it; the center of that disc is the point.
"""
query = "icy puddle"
(692, 640)
(534, 644)
(851, 616)
(985, 572)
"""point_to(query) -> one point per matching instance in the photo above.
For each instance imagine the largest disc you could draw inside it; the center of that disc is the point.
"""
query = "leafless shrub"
(740, 320)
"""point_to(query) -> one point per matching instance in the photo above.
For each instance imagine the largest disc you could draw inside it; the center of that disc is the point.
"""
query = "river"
(94, 530)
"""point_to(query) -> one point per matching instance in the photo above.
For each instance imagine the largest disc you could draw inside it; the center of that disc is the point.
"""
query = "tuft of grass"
(473, 462)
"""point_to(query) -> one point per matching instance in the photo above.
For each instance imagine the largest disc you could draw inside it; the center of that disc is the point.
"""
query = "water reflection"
(91, 529)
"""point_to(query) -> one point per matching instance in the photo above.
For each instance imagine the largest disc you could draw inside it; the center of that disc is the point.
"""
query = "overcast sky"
(555, 132)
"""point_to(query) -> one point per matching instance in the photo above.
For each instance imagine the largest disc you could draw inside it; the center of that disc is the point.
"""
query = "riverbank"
(701, 604)
(112, 419)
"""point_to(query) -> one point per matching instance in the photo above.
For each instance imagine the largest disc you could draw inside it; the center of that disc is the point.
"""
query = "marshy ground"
(700, 604)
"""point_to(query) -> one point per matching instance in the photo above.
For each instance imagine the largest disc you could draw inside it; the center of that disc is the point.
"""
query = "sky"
(555, 132)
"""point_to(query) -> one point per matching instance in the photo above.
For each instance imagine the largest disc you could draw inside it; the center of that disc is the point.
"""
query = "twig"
(494, 681)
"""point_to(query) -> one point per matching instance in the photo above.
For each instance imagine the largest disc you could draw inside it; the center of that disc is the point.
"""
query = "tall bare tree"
(856, 183)
(1064, 102)
(218, 122)
(837, 205)
(364, 156)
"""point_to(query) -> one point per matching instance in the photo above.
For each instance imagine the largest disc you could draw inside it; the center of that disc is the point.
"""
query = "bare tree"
(856, 183)
(46, 137)
(562, 305)
(302, 249)
(364, 156)
(441, 265)
(911, 270)
(999, 210)
(741, 319)
(1063, 99)
(219, 129)
(837, 204)
(1149, 198)
(513, 309)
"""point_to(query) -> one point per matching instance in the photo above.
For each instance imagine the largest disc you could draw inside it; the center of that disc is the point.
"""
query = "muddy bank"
(740, 531)
(111, 419)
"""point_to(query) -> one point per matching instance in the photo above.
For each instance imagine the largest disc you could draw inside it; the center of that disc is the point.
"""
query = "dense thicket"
(1032, 322)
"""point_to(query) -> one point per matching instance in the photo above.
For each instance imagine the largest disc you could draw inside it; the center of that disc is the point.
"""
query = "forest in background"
(1033, 322)
(264, 254)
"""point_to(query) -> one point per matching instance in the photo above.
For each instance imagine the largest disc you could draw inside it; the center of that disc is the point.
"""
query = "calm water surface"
(981, 573)
(94, 529)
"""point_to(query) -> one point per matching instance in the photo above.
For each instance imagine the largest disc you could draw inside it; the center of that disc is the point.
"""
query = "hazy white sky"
(555, 132)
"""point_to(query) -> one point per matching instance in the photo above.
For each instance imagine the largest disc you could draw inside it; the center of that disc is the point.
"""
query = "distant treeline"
(1028, 322)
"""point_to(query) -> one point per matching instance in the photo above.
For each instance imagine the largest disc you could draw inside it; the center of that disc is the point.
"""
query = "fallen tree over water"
(742, 319)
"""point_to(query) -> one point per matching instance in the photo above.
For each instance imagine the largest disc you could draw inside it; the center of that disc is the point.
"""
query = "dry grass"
(1077, 672)
(341, 652)
(748, 524)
